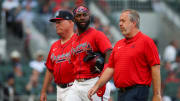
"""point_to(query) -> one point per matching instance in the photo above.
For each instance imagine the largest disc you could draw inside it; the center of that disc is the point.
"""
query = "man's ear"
(134, 23)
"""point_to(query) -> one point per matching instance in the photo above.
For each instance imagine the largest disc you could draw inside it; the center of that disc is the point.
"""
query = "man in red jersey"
(134, 63)
(58, 62)
(89, 41)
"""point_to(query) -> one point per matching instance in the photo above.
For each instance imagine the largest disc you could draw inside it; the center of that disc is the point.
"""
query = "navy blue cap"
(62, 15)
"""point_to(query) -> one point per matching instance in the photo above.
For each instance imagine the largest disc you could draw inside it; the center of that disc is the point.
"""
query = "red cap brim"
(55, 19)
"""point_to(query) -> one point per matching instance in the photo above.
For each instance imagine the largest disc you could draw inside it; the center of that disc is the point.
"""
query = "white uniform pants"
(107, 93)
(79, 91)
(62, 93)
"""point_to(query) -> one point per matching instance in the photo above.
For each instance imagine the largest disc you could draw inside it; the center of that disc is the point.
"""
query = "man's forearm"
(47, 79)
(156, 79)
(105, 77)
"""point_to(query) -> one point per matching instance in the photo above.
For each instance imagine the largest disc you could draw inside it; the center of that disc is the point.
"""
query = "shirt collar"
(134, 38)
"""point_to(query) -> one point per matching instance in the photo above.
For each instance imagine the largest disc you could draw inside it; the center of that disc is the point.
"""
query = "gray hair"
(133, 16)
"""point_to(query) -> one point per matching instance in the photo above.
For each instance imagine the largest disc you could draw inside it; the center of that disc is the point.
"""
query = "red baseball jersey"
(58, 61)
(91, 40)
(132, 60)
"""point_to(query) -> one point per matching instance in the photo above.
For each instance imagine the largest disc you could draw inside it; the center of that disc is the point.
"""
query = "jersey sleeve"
(49, 63)
(151, 53)
(102, 42)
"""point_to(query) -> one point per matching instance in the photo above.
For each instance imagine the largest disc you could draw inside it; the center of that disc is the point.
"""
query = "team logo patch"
(84, 47)
(61, 58)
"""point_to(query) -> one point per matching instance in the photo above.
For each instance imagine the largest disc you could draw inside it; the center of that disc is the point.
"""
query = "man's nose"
(82, 17)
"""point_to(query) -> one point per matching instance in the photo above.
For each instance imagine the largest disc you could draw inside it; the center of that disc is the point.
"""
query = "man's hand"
(92, 91)
(156, 98)
(43, 97)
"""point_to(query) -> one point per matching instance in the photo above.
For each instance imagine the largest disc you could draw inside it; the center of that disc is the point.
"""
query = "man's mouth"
(82, 23)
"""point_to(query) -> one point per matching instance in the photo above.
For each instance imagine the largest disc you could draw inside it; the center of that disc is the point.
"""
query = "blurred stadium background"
(26, 36)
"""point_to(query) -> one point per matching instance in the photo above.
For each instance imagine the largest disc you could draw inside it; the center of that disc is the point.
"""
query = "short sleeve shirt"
(132, 60)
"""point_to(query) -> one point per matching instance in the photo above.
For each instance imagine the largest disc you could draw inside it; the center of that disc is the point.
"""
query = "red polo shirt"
(58, 61)
(90, 40)
(132, 60)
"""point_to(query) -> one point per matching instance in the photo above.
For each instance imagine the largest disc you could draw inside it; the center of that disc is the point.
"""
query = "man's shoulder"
(144, 36)
(93, 30)
(147, 40)
(55, 43)
(119, 42)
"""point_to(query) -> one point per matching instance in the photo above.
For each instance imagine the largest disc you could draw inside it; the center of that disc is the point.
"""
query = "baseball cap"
(62, 15)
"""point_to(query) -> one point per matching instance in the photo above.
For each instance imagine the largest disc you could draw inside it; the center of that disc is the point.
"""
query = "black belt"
(65, 85)
(131, 87)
